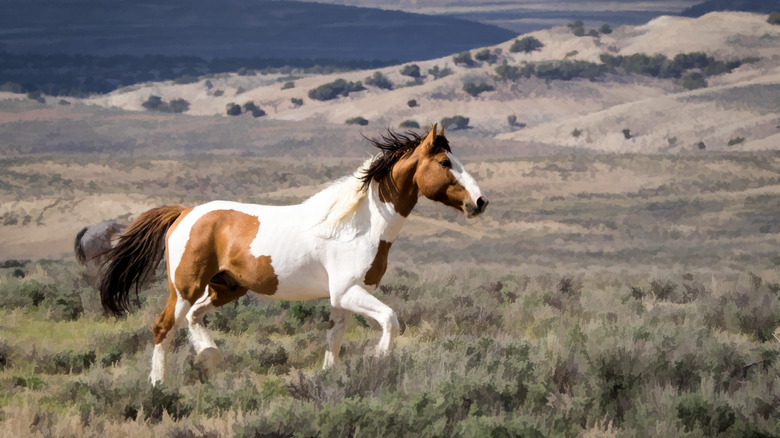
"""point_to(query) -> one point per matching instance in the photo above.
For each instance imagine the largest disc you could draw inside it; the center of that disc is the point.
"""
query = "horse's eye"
(445, 163)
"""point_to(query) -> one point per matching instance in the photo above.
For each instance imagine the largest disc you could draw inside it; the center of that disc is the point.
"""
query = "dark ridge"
(759, 6)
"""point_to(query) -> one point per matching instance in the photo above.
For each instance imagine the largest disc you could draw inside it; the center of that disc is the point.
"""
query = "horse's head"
(441, 177)
(412, 165)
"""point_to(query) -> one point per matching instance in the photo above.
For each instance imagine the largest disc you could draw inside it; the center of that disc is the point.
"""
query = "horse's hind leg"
(164, 329)
(215, 295)
(207, 354)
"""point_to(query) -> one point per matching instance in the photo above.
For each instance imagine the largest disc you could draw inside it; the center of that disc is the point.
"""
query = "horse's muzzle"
(474, 210)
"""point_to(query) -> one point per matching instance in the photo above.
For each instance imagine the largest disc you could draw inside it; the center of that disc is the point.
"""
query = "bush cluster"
(439, 73)
(476, 89)
(337, 88)
(526, 45)
(155, 103)
(455, 122)
(464, 59)
(380, 81)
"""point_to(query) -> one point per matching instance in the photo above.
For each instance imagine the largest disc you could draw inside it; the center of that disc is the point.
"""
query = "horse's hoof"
(208, 360)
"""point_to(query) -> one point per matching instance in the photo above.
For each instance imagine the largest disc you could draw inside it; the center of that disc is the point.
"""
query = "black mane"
(393, 146)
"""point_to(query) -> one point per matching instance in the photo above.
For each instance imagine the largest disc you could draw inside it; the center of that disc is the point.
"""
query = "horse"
(334, 245)
(94, 241)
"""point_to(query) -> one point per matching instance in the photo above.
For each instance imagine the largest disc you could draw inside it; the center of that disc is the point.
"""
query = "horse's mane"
(393, 146)
(342, 199)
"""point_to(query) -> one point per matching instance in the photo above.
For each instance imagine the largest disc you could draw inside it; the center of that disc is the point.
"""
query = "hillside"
(661, 113)
(759, 6)
(233, 28)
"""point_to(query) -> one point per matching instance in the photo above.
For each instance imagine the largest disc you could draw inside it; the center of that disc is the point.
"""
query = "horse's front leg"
(338, 325)
(357, 299)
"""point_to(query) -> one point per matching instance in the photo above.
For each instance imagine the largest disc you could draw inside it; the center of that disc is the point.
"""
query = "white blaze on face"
(464, 178)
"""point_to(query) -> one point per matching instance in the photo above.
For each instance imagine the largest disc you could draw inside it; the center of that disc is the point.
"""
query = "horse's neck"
(386, 222)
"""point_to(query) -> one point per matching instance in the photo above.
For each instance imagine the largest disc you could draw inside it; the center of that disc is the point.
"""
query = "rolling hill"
(739, 102)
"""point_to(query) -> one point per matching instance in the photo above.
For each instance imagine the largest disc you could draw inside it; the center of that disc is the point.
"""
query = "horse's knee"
(390, 321)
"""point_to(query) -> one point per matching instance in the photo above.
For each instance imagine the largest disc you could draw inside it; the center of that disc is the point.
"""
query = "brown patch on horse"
(379, 265)
(167, 318)
(217, 255)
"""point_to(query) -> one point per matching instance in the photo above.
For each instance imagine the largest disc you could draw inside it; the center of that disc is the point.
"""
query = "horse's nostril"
(482, 203)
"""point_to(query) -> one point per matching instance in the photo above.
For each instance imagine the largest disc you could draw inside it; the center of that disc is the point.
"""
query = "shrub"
(296, 101)
(12, 87)
(179, 106)
(152, 103)
(411, 124)
(627, 133)
(160, 399)
(475, 89)
(485, 55)
(357, 121)
(701, 145)
(411, 70)
(736, 140)
(455, 122)
(526, 45)
(439, 73)
(155, 103)
(695, 412)
(300, 311)
(577, 28)
(185, 79)
(513, 73)
(380, 81)
(605, 29)
(243, 71)
(67, 362)
(694, 81)
(254, 109)
(464, 58)
(411, 103)
(567, 70)
(773, 18)
(232, 109)
(576, 133)
(512, 120)
(334, 89)
(288, 85)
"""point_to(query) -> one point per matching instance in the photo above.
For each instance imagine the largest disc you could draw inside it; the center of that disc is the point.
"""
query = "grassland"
(600, 294)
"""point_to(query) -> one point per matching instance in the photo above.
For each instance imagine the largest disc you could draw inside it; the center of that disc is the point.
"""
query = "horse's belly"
(304, 284)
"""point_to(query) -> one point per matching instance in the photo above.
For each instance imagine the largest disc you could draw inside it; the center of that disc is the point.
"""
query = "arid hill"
(734, 98)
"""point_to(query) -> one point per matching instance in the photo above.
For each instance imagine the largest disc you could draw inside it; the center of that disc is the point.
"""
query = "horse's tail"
(135, 257)
(81, 257)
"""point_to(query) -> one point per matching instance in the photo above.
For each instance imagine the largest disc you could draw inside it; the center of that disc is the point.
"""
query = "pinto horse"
(334, 245)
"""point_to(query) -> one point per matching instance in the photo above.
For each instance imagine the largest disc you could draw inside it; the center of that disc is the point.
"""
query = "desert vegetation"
(155, 103)
(577, 308)
(335, 89)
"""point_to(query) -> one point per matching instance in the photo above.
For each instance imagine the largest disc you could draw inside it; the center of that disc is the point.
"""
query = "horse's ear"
(442, 131)
(427, 143)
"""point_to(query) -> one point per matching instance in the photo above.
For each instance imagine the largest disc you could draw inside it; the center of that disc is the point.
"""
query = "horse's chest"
(378, 264)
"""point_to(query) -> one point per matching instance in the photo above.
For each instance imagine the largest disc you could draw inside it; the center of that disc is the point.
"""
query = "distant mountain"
(234, 28)
(759, 6)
